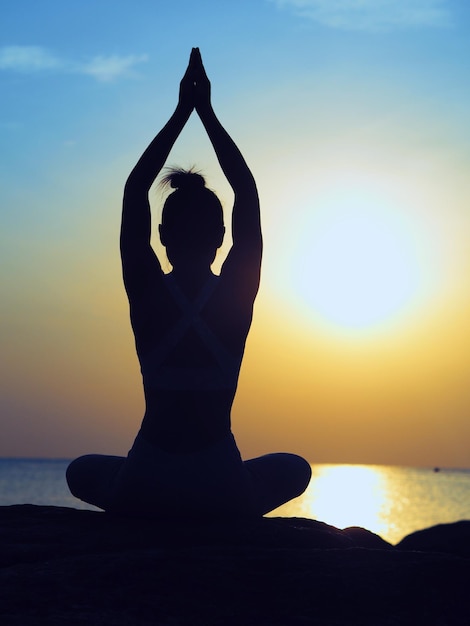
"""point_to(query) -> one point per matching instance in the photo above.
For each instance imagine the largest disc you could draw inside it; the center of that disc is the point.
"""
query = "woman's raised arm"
(136, 220)
(246, 226)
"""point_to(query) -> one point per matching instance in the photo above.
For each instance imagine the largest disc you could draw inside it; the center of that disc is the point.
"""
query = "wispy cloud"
(108, 68)
(27, 59)
(372, 15)
(35, 59)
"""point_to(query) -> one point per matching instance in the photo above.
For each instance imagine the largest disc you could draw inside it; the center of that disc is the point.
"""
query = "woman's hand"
(187, 85)
(202, 85)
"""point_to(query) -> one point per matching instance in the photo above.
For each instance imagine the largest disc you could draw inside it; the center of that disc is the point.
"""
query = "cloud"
(35, 59)
(108, 68)
(27, 59)
(372, 15)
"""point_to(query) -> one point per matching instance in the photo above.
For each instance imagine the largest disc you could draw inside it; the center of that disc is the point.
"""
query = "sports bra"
(222, 374)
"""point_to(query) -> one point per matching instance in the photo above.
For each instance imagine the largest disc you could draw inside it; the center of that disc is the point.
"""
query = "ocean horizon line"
(430, 467)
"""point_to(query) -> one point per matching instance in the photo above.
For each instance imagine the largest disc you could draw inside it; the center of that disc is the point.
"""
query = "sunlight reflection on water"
(389, 501)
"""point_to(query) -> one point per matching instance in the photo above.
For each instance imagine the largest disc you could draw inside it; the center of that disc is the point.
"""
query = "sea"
(391, 501)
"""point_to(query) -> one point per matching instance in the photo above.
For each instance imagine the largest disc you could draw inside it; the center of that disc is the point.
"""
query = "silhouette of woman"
(190, 328)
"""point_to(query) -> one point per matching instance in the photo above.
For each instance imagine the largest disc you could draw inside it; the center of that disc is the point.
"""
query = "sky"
(353, 117)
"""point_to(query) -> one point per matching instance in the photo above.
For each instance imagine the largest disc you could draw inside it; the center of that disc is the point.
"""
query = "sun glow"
(358, 260)
(360, 268)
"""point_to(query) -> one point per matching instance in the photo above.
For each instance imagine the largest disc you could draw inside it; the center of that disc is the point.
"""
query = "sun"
(356, 262)
(360, 269)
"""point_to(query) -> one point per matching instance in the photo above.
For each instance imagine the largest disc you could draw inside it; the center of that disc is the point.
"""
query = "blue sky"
(345, 110)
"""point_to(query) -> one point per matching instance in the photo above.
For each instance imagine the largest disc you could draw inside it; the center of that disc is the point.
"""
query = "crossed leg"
(274, 479)
(277, 478)
(92, 477)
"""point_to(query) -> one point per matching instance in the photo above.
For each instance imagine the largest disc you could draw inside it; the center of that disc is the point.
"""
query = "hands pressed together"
(195, 87)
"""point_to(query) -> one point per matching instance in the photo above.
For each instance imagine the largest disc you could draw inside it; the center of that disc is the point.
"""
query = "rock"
(440, 539)
(65, 566)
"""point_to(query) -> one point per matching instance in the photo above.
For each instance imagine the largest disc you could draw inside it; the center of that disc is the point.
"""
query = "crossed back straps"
(222, 375)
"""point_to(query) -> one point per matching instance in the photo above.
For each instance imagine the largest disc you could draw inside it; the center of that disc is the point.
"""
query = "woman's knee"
(301, 473)
(92, 478)
(287, 474)
(78, 475)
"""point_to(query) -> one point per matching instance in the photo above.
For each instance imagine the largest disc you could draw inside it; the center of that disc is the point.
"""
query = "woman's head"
(192, 225)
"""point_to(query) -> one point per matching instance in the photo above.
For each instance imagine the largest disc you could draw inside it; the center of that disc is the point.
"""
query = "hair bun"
(184, 180)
